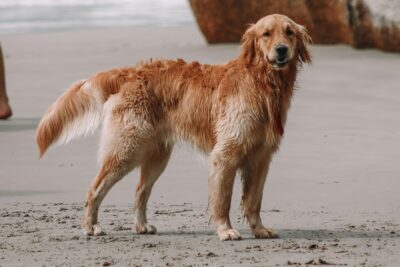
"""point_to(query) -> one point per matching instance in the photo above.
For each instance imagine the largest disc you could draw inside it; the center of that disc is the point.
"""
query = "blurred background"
(360, 23)
(22, 16)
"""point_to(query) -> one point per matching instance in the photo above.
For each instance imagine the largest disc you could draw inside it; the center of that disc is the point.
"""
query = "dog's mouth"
(280, 63)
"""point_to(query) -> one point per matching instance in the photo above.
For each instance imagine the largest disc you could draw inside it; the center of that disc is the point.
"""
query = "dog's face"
(276, 40)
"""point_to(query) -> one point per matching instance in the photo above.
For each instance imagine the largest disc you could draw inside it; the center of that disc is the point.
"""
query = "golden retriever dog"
(236, 112)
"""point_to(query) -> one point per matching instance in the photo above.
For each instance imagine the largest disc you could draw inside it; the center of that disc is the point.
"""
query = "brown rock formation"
(226, 20)
(361, 23)
(375, 23)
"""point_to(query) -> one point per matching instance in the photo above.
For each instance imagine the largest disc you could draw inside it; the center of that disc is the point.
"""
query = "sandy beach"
(333, 191)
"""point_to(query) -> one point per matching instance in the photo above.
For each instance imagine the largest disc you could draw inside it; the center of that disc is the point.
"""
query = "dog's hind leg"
(254, 173)
(114, 168)
(151, 168)
(120, 153)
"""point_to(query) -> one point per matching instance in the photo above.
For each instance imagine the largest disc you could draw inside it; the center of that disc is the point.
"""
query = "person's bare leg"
(5, 109)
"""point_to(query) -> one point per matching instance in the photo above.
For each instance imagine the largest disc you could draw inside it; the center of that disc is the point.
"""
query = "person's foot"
(5, 111)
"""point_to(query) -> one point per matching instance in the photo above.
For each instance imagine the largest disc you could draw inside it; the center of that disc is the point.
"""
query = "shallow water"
(22, 16)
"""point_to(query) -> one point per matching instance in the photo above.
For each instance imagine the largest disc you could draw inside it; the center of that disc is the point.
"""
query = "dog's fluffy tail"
(79, 110)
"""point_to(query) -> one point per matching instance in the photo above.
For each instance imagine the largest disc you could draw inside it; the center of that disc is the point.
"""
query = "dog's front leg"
(221, 181)
(254, 174)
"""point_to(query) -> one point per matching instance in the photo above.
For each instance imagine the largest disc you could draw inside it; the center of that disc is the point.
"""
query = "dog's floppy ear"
(303, 39)
(249, 45)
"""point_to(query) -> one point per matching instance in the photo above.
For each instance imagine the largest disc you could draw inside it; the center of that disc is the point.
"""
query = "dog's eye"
(267, 34)
(289, 32)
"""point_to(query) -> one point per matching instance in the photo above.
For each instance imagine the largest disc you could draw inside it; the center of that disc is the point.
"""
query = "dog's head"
(275, 40)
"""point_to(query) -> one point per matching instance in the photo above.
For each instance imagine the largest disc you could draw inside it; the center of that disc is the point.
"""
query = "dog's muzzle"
(282, 56)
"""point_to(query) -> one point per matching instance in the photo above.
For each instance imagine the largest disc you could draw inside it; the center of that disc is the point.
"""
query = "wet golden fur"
(236, 112)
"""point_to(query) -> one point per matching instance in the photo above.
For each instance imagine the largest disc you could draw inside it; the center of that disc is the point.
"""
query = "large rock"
(361, 23)
(375, 23)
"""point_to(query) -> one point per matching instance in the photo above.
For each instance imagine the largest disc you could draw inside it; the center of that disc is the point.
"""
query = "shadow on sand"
(18, 124)
(299, 234)
(19, 193)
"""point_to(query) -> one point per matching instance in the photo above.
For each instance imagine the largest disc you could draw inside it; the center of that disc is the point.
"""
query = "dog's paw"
(228, 234)
(97, 230)
(145, 229)
(93, 230)
(264, 232)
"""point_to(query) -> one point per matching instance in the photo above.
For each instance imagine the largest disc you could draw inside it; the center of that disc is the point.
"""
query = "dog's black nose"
(281, 50)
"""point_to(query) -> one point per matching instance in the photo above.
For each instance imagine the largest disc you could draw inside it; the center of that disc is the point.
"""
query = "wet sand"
(332, 193)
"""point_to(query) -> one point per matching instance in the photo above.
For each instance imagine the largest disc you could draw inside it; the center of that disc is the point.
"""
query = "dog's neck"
(278, 86)
(274, 83)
